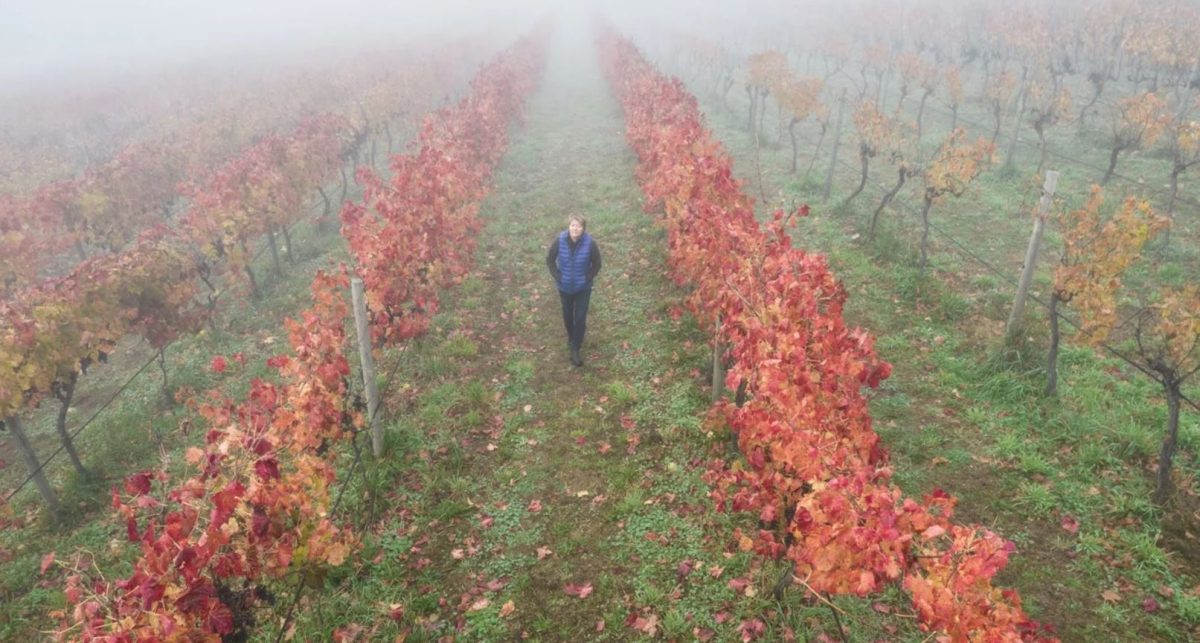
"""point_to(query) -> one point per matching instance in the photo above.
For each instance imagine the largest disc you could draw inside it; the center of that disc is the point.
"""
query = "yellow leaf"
(507, 608)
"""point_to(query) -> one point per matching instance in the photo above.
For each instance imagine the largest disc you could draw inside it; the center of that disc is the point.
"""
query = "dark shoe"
(575, 359)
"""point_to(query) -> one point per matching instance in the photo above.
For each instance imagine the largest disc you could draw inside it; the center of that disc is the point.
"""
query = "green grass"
(589, 476)
(139, 430)
(966, 413)
(509, 475)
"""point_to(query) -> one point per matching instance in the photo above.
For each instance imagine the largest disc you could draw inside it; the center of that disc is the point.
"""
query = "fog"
(148, 145)
(60, 41)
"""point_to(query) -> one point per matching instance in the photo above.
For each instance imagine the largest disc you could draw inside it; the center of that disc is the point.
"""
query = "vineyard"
(894, 337)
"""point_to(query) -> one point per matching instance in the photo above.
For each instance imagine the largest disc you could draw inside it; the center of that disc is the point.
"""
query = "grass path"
(523, 498)
(529, 499)
(518, 476)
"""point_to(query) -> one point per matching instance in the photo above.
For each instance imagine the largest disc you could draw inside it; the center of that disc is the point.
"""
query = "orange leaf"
(47, 561)
(582, 591)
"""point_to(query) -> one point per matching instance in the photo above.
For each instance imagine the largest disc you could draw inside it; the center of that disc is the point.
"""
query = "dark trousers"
(575, 309)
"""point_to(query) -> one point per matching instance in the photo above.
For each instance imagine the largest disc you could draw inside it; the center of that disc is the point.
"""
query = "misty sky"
(69, 42)
(40, 38)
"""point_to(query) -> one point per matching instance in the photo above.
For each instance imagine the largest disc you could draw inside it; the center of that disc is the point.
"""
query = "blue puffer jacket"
(573, 265)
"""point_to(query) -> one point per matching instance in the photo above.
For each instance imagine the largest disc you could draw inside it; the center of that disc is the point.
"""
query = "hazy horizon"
(85, 41)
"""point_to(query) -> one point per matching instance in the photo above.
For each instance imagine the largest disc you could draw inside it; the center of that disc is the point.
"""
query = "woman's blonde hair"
(577, 217)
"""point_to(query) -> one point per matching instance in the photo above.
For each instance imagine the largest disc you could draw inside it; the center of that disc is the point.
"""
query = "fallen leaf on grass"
(647, 625)
(543, 552)
(535, 505)
(479, 604)
(742, 586)
(604, 447)
(751, 629)
(683, 569)
(1110, 595)
(47, 561)
(507, 609)
(582, 591)
(348, 633)
(458, 554)
(1070, 524)
(1150, 605)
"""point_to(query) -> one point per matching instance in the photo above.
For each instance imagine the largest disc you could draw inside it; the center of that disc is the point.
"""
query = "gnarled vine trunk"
(1166, 454)
(1052, 356)
(887, 198)
(64, 395)
(13, 424)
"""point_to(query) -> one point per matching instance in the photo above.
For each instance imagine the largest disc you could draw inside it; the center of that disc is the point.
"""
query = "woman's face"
(575, 229)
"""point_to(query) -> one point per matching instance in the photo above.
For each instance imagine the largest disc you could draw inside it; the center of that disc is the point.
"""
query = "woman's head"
(576, 226)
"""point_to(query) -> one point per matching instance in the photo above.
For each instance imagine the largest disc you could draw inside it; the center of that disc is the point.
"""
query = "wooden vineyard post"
(718, 365)
(1022, 95)
(13, 424)
(274, 252)
(837, 139)
(359, 301)
(1031, 254)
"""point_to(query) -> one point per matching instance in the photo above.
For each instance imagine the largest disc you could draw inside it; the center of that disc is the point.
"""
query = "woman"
(574, 259)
